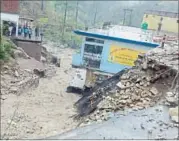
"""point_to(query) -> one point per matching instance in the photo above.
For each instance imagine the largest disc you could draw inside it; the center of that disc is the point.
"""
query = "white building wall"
(11, 18)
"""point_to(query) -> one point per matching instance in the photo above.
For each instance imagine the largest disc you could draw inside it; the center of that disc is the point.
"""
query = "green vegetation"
(5, 48)
(60, 18)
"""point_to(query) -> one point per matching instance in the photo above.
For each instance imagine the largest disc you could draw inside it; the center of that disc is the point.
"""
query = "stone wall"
(31, 48)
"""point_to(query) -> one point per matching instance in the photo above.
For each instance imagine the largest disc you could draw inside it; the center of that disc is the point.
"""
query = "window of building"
(94, 40)
(146, 16)
(177, 21)
(93, 49)
(90, 39)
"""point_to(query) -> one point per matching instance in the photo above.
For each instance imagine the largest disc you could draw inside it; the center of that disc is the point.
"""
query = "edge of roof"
(102, 36)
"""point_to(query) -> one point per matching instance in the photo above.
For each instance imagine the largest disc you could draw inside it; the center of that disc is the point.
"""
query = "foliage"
(5, 48)
(5, 29)
(62, 17)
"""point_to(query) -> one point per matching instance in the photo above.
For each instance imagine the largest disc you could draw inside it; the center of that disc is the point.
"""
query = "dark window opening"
(93, 49)
(90, 39)
(146, 16)
(94, 40)
(92, 63)
(177, 21)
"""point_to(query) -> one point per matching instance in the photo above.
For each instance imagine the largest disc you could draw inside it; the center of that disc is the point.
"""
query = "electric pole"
(42, 5)
(64, 21)
(95, 14)
(77, 13)
(130, 17)
(124, 17)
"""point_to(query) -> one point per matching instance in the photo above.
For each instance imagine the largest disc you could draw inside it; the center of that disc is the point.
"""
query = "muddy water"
(43, 111)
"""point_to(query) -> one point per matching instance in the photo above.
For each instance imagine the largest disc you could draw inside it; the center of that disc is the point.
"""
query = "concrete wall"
(31, 48)
(168, 24)
(106, 65)
(113, 67)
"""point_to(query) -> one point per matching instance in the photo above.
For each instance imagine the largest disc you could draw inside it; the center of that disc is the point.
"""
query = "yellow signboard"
(123, 55)
(43, 20)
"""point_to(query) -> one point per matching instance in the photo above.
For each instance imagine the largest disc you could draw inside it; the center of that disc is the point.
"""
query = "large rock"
(172, 100)
(40, 72)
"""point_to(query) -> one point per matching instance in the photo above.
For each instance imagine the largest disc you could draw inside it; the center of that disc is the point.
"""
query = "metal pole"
(130, 16)
(124, 16)
(76, 13)
(42, 5)
(95, 16)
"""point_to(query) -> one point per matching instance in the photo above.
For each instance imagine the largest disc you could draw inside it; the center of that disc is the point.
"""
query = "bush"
(5, 49)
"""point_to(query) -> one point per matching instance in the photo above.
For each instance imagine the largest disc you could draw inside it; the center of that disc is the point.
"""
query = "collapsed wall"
(153, 80)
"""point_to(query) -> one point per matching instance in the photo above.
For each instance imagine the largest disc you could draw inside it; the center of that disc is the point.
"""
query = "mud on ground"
(43, 111)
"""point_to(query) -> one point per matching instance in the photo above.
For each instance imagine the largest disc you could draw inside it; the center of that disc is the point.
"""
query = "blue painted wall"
(107, 66)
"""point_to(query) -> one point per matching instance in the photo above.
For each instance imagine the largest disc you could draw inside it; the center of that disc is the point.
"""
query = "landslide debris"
(153, 80)
(22, 72)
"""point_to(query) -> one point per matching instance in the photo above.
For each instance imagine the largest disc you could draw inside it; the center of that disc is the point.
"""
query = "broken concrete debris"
(172, 98)
(173, 112)
(139, 88)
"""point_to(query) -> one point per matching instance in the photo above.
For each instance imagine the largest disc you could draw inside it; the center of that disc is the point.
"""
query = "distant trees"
(64, 16)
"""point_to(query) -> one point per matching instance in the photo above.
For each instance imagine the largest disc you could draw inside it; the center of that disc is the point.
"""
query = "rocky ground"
(153, 81)
(36, 106)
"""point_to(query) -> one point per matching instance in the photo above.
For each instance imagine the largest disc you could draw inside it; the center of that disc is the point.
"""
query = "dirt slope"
(43, 111)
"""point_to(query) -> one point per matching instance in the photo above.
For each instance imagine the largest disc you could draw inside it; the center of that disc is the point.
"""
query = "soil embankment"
(40, 107)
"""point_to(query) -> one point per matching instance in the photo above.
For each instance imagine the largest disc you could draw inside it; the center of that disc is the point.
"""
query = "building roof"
(162, 13)
(10, 6)
(25, 18)
(116, 37)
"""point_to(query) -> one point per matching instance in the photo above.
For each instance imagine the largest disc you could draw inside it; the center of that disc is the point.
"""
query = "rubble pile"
(15, 80)
(153, 79)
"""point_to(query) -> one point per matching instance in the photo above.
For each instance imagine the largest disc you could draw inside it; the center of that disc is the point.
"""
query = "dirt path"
(44, 111)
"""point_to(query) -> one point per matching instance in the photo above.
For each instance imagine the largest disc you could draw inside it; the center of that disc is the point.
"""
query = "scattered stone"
(16, 74)
(39, 72)
(43, 59)
(120, 85)
(14, 89)
(154, 90)
(170, 94)
(172, 100)
(142, 126)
